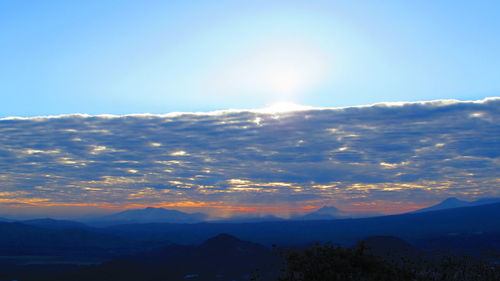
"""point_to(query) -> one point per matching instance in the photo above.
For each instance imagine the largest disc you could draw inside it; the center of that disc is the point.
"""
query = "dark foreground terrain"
(456, 244)
(225, 257)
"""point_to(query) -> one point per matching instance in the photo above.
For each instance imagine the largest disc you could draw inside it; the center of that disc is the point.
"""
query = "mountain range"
(453, 202)
(51, 236)
(149, 215)
(474, 230)
(49, 223)
(456, 221)
(161, 215)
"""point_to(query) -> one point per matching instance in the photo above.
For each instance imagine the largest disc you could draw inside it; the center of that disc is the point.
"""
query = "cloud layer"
(385, 157)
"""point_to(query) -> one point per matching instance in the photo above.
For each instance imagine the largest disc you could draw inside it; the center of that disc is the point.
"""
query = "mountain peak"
(221, 240)
(453, 202)
(224, 237)
(323, 213)
(390, 247)
(226, 244)
(154, 215)
(328, 209)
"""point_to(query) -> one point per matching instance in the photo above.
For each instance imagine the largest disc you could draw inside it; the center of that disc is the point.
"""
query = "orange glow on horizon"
(383, 207)
(221, 207)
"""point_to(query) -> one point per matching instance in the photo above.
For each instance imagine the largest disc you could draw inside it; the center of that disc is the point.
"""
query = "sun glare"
(283, 107)
(274, 71)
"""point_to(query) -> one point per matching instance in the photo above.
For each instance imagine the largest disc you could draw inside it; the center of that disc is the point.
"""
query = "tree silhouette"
(334, 263)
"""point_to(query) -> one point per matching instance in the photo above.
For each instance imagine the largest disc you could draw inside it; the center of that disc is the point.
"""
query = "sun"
(267, 72)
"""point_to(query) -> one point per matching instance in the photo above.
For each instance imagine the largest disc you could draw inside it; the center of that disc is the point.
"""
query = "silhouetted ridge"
(55, 224)
(222, 239)
(390, 247)
(452, 202)
(223, 257)
(22, 239)
(228, 245)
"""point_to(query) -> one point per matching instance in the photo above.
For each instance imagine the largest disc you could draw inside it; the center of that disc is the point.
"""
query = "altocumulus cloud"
(384, 157)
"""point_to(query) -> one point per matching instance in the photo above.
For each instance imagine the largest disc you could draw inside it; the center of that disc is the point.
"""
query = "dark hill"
(21, 239)
(223, 258)
(391, 247)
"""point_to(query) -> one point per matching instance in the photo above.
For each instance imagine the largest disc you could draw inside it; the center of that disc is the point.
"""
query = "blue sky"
(123, 57)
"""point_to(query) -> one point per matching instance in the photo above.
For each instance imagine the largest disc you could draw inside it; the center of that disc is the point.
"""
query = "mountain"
(324, 213)
(484, 201)
(150, 215)
(332, 213)
(465, 220)
(449, 203)
(55, 224)
(453, 202)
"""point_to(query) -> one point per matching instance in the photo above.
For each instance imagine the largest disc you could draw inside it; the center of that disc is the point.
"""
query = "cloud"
(405, 152)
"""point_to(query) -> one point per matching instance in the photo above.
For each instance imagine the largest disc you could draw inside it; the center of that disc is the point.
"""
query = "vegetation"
(334, 263)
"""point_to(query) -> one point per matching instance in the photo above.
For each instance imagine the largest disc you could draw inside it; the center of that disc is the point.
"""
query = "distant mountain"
(5, 220)
(484, 201)
(55, 224)
(466, 220)
(453, 202)
(151, 215)
(324, 213)
(449, 203)
(332, 213)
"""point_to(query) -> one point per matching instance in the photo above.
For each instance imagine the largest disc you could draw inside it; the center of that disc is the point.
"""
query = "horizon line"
(263, 110)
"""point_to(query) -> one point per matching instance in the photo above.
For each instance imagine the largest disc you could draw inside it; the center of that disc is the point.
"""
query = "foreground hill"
(18, 239)
(226, 258)
(223, 258)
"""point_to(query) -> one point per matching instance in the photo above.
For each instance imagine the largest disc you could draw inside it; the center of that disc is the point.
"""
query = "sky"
(122, 57)
(107, 105)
